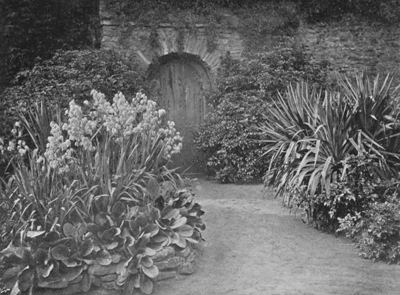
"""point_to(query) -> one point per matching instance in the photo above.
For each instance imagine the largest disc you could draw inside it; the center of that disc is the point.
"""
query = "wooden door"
(183, 82)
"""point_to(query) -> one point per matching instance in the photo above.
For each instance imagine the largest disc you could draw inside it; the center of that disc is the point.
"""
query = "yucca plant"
(310, 133)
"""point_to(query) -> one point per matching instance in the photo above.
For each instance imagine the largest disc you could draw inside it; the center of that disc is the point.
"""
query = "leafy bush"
(376, 230)
(311, 134)
(229, 139)
(100, 196)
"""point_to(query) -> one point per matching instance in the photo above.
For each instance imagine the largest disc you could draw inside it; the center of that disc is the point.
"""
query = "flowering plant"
(122, 124)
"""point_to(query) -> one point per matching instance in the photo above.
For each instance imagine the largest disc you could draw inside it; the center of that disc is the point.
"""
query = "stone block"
(163, 254)
(161, 264)
(101, 270)
(108, 278)
(186, 269)
(184, 253)
(191, 256)
(174, 262)
(164, 275)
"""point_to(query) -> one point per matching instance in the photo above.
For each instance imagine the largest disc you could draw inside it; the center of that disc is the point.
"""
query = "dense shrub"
(99, 196)
(377, 229)
(229, 139)
(68, 75)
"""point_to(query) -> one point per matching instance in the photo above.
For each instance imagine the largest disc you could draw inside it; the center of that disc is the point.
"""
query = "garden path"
(254, 246)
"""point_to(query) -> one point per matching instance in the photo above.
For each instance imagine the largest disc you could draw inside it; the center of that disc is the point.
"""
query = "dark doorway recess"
(183, 81)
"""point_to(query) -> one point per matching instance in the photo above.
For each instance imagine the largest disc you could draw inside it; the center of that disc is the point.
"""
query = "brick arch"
(170, 40)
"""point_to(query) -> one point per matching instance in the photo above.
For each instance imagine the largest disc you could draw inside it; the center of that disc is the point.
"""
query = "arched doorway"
(183, 80)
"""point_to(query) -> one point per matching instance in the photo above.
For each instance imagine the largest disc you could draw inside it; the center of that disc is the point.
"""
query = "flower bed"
(98, 210)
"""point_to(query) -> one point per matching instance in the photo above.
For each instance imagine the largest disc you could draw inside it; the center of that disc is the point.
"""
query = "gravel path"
(254, 246)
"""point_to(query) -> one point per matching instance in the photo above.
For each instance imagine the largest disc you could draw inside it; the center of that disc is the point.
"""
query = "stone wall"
(353, 45)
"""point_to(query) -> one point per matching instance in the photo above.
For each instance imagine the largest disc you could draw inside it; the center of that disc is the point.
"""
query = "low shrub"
(377, 229)
(229, 139)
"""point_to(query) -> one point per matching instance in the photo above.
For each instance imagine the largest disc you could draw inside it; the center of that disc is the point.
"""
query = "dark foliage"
(37, 28)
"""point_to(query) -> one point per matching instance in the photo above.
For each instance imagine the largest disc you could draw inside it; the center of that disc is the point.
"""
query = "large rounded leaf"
(153, 188)
(45, 270)
(72, 273)
(118, 210)
(109, 234)
(151, 271)
(60, 252)
(168, 213)
(146, 285)
(185, 230)
(41, 257)
(86, 282)
(103, 257)
(25, 279)
(101, 219)
(154, 213)
(178, 222)
(87, 247)
(129, 287)
(152, 229)
(69, 230)
(11, 272)
(51, 237)
(181, 242)
(146, 261)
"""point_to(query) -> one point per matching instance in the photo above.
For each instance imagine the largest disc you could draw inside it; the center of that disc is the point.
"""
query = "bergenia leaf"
(116, 258)
(51, 237)
(154, 213)
(152, 229)
(185, 230)
(179, 222)
(151, 271)
(70, 262)
(136, 280)
(181, 242)
(169, 213)
(146, 285)
(86, 282)
(109, 234)
(153, 188)
(118, 210)
(60, 252)
(147, 261)
(129, 287)
(149, 252)
(111, 246)
(92, 228)
(103, 257)
(101, 219)
(72, 273)
(45, 270)
(87, 247)
(25, 279)
(11, 272)
(42, 256)
(69, 230)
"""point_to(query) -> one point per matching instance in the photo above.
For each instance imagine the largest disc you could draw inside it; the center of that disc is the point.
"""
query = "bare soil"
(255, 246)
